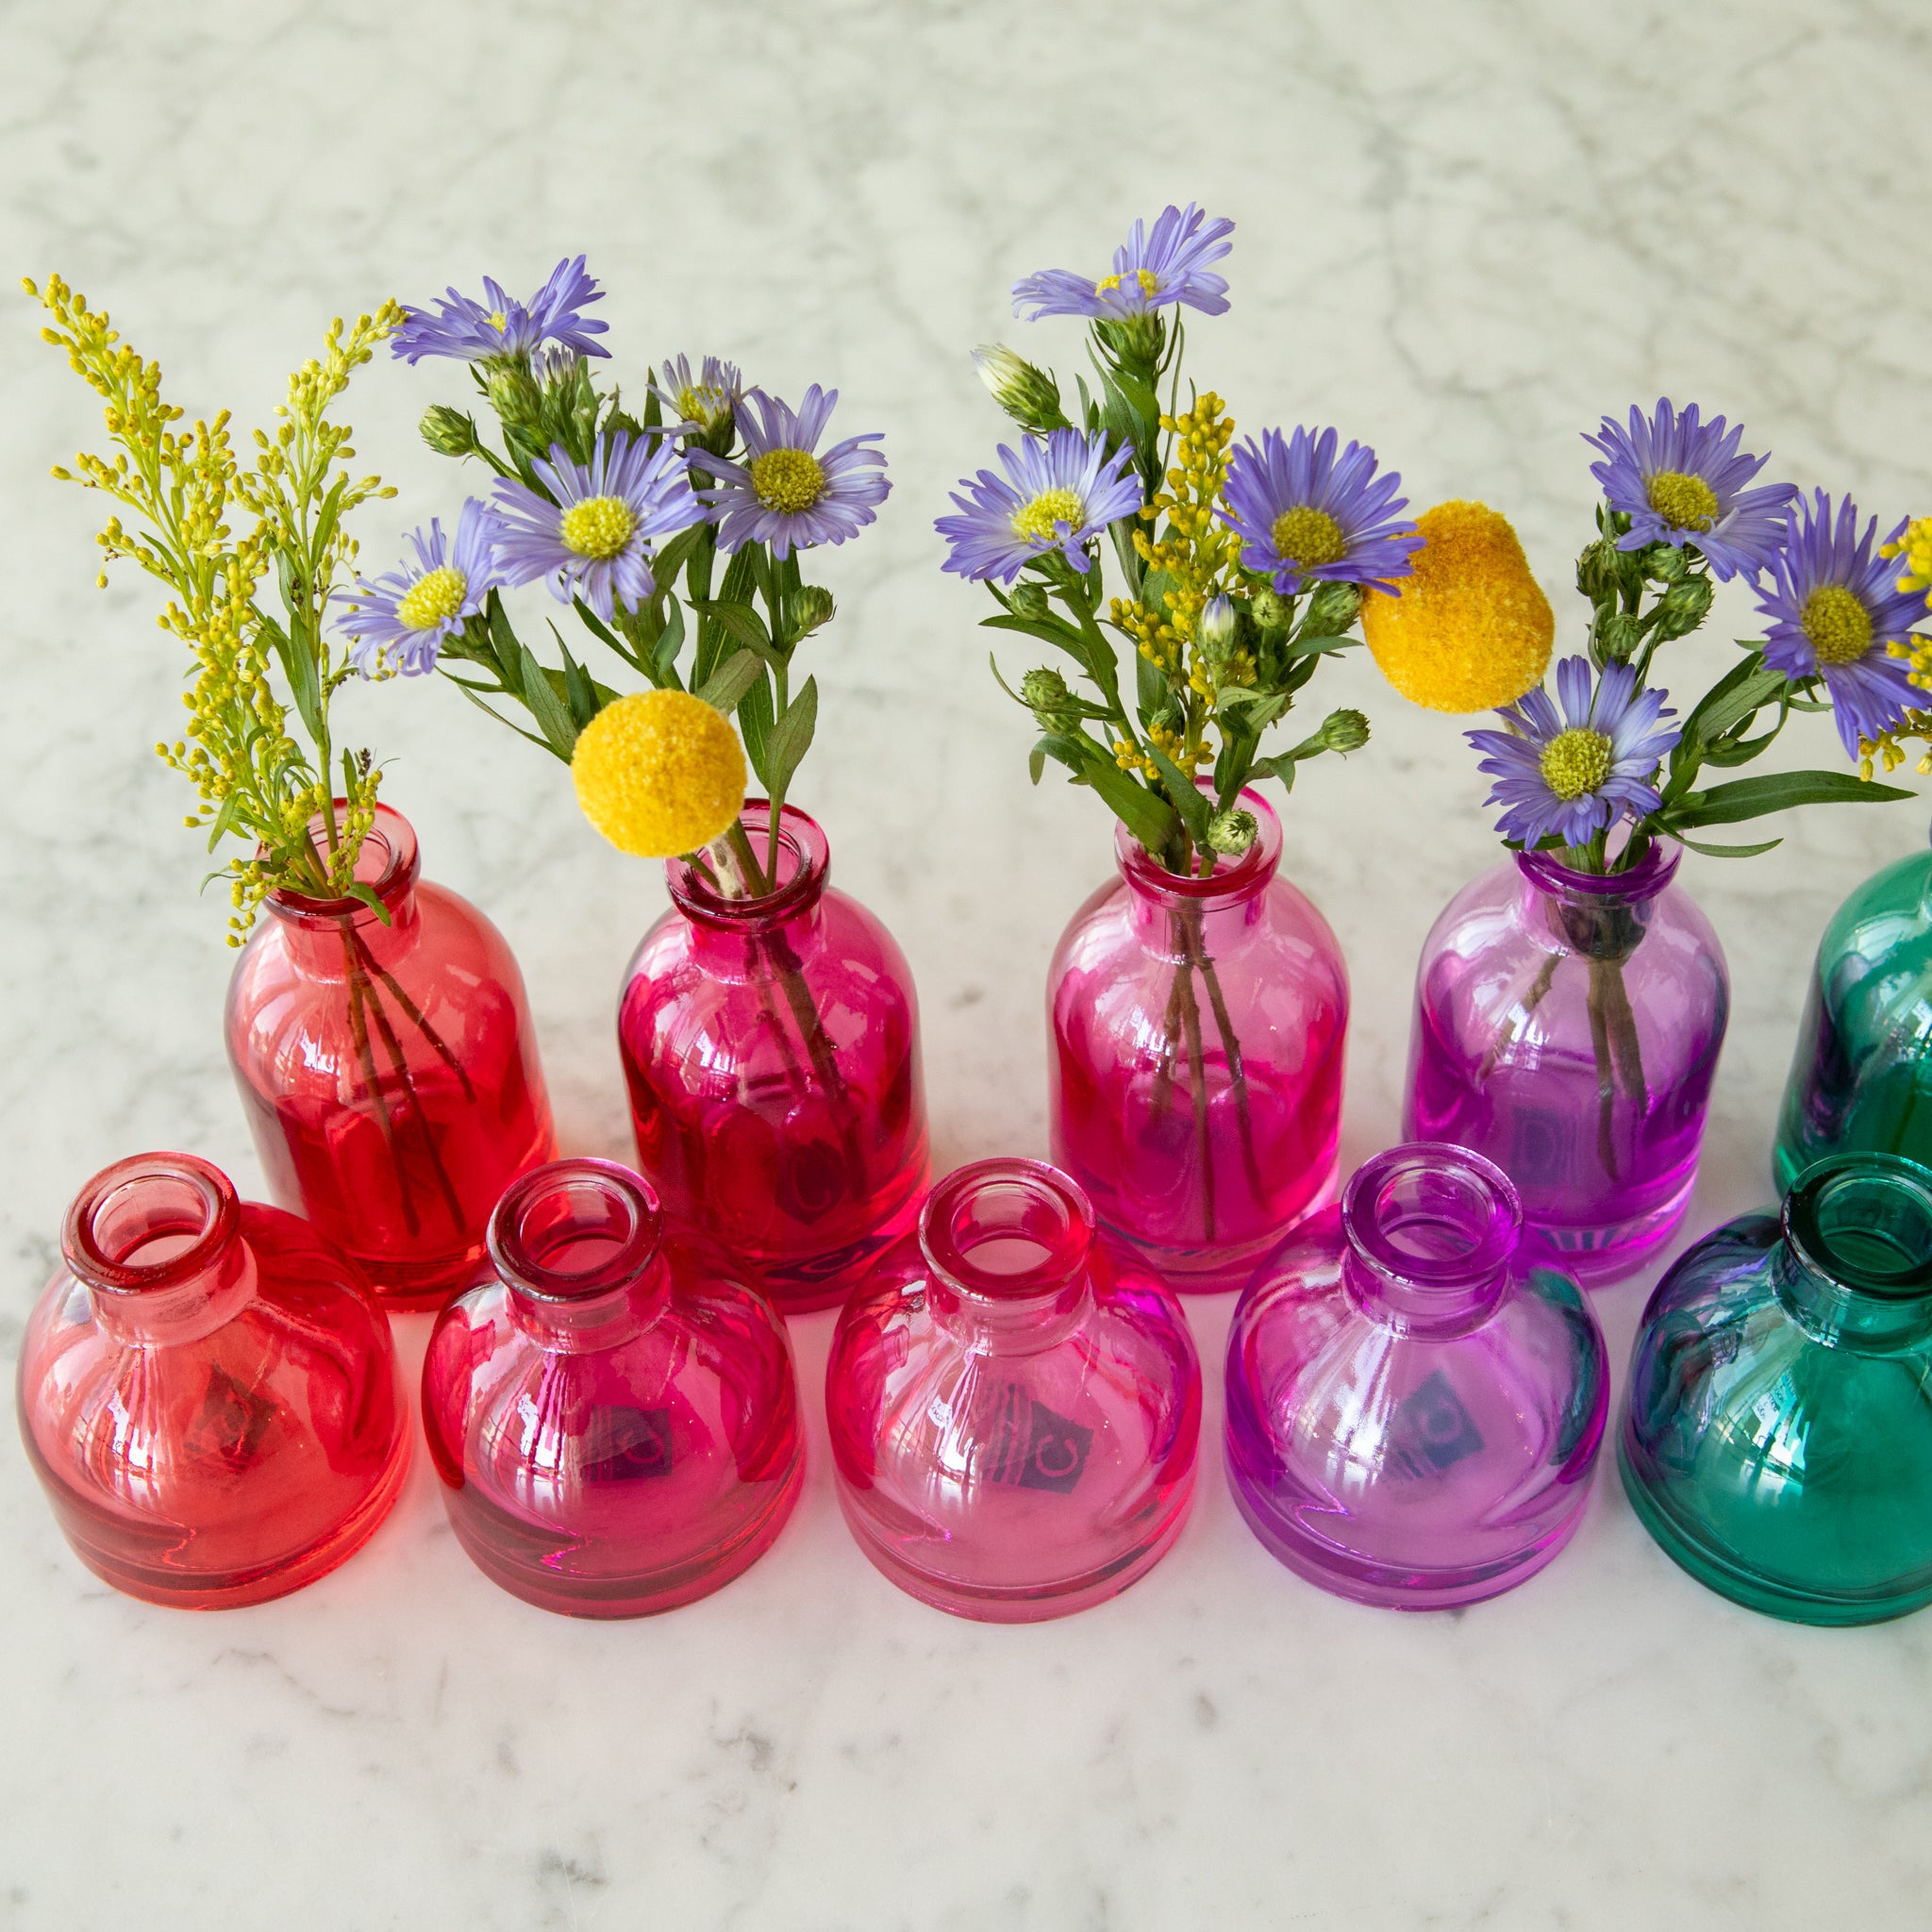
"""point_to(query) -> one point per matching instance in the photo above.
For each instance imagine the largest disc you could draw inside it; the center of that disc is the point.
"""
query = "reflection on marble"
(1464, 231)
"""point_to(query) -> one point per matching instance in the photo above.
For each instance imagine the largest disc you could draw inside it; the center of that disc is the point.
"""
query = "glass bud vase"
(1777, 1437)
(614, 1419)
(1415, 1394)
(1861, 1077)
(1195, 1034)
(389, 1070)
(207, 1392)
(771, 1044)
(1014, 1417)
(1567, 1026)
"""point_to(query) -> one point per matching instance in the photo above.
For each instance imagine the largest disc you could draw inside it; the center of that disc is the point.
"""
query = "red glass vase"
(389, 1070)
(207, 1392)
(615, 1420)
(770, 1042)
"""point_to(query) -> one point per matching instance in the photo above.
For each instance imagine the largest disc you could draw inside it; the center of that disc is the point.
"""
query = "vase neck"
(1599, 915)
(747, 894)
(1855, 1266)
(1009, 1243)
(338, 938)
(1185, 916)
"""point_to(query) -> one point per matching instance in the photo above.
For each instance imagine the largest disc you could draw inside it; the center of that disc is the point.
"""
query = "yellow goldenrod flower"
(659, 773)
(1915, 547)
(1471, 629)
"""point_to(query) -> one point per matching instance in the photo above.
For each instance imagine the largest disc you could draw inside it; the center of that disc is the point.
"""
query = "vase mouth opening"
(151, 1221)
(1433, 1215)
(802, 859)
(1865, 1221)
(574, 1229)
(1233, 878)
(386, 863)
(1007, 1230)
(1659, 866)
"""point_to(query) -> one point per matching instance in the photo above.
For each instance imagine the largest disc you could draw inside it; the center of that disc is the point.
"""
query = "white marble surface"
(1464, 230)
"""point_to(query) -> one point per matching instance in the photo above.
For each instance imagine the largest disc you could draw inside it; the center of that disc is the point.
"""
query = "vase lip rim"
(392, 837)
(1643, 880)
(1240, 878)
(1803, 1226)
(1492, 1213)
(80, 1238)
(799, 833)
(632, 1248)
(1062, 1228)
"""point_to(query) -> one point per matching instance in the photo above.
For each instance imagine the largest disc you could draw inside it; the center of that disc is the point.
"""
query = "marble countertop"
(1464, 232)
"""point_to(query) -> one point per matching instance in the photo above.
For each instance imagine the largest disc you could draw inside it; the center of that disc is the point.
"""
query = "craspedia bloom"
(1472, 631)
(1150, 271)
(1305, 514)
(698, 404)
(1682, 481)
(1835, 605)
(595, 541)
(474, 331)
(658, 772)
(783, 491)
(1571, 768)
(397, 622)
(1055, 495)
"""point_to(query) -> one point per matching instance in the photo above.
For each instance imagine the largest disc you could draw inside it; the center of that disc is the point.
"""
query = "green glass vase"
(1777, 1435)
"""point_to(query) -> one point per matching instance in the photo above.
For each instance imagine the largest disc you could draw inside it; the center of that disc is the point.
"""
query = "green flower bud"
(1214, 629)
(1685, 607)
(1600, 569)
(1271, 611)
(1663, 563)
(1030, 602)
(1332, 609)
(1231, 832)
(1030, 397)
(1343, 731)
(1052, 704)
(1619, 636)
(1137, 341)
(512, 391)
(806, 609)
(449, 432)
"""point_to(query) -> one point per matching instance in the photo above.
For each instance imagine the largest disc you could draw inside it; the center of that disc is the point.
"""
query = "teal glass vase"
(1777, 1438)
(1861, 1077)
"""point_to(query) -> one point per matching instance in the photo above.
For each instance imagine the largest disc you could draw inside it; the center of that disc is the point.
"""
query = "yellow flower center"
(788, 480)
(1149, 283)
(700, 403)
(1684, 503)
(434, 596)
(498, 321)
(599, 527)
(1035, 524)
(1838, 625)
(1575, 761)
(1307, 535)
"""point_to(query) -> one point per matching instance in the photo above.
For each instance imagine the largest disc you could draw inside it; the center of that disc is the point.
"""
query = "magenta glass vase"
(389, 1070)
(771, 1042)
(1567, 1025)
(1416, 1395)
(1014, 1417)
(207, 1392)
(614, 1417)
(1195, 1031)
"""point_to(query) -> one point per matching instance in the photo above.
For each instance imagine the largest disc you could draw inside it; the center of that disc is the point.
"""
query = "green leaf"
(505, 642)
(1150, 819)
(1753, 798)
(731, 680)
(1728, 851)
(742, 623)
(546, 708)
(1281, 766)
(579, 689)
(755, 725)
(1036, 761)
(469, 691)
(1049, 630)
(370, 897)
(791, 734)
(1185, 796)
(673, 556)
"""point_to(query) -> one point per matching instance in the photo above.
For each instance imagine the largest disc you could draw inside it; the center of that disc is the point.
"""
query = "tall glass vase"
(1567, 1028)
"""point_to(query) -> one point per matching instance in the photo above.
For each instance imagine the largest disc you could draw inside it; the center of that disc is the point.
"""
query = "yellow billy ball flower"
(1471, 629)
(658, 772)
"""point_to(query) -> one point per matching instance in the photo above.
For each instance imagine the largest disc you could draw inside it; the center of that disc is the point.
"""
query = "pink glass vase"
(1195, 1031)
(207, 1392)
(1415, 1396)
(614, 1417)
(1014, 1417)
(1568, 1026)
(389, 1070)
(770, 1042)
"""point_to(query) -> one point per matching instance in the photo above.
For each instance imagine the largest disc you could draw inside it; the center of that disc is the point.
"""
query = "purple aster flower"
(784, 492)
(1055, 495)
(1150, 272)
(1574, 770)
(397, 622)
(1681, 481)
(472, 331)
(595, 541)
(1302, 513)
(696, 406)
(1834, 607)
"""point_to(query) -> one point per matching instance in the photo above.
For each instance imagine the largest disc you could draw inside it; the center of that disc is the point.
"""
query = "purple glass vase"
(1415, 1394)
(1567, 1025)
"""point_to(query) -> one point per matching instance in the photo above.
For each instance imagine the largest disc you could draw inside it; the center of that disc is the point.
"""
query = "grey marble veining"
(1464, 231)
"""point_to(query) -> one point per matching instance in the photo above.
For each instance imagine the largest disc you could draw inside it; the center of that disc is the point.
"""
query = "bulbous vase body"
(771, 1044)
(207, 1391)
(1014, 1417)
(1416, 1395)
(387, 1067)
(614, 1417)
(1567, 1028)
(1196, 1030)
(1778, 1435)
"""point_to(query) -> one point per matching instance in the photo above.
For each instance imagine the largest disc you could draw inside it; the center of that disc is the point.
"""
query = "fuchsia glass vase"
(1014, 1417)
(1567, 1025)
(771, 1044)
(389, 1070)
(614, 1417)
(207, 1392)
(1196, 1029)
(1415, 1396)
